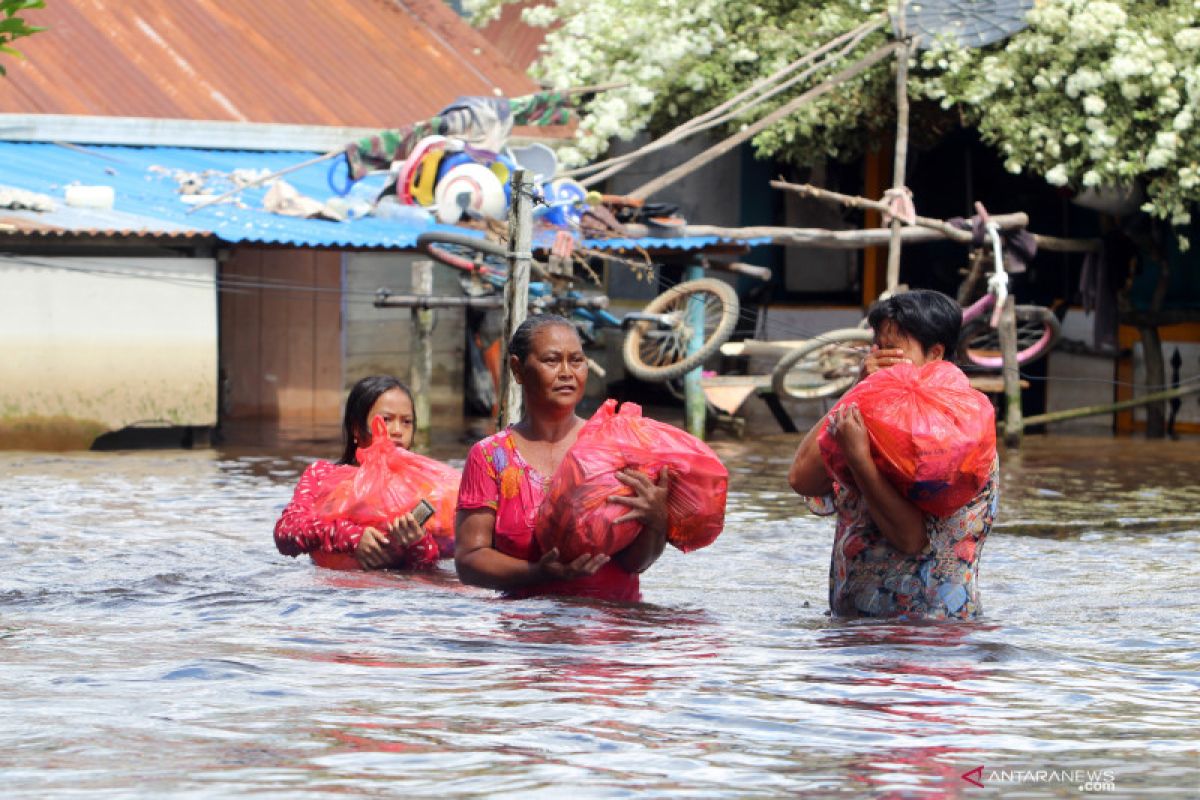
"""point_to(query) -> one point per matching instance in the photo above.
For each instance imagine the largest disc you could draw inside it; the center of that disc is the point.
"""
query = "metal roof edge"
(150, 132)
(203, 134)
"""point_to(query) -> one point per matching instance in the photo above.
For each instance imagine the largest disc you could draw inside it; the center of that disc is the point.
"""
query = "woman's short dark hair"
(363, 395)
(521, 343)
(929, 317)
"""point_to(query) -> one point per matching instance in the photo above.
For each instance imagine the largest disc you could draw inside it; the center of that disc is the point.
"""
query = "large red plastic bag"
(576, 515)
(388, 482)
(933, 437)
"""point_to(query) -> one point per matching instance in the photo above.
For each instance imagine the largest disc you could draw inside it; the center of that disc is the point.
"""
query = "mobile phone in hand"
(422, 512)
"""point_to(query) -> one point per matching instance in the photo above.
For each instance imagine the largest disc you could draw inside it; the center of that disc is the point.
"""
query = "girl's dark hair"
(929, 317)
(363, 395)
(521, 343)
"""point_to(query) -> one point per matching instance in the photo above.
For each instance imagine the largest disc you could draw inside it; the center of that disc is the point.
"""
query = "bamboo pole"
(836, 240)
(420, 368)
(1109, 408)
(901, 149)
(1014, 428)
(1052, 243)
(385, 299)
(729, 109)
(516, 288)
(750, 131)
(693, 392)
(1156, 375)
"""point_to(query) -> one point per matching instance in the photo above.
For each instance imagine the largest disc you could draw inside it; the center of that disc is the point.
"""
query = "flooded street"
(155, 644)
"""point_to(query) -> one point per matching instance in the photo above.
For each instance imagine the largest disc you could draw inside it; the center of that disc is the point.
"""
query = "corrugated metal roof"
(148, 201)
(518, 42)
(369, 63)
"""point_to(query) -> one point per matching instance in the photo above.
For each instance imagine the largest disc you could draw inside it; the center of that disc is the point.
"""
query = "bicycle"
(832, 362)
(658, 339)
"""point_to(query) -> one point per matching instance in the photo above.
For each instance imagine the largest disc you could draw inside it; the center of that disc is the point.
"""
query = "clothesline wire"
(237, 285)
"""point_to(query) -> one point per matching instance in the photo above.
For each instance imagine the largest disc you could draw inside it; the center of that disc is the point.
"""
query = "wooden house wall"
(281, 335)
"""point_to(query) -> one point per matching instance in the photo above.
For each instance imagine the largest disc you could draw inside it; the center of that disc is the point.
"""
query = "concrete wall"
(377, 339)
(96, 344)
(1077, 380)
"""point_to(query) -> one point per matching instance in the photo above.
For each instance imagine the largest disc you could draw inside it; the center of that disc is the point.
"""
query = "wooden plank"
(273, 332)
(240, 335)
(296, 270)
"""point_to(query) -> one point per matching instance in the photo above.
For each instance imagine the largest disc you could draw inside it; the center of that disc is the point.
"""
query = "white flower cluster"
(1116, 96)
(1092, 93)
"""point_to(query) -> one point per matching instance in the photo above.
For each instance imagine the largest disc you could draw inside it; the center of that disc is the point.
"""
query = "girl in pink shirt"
(343, 544)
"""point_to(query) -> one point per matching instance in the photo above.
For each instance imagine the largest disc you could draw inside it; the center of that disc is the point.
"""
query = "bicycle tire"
(834, 365)
(1038, 330)
(465, 252)
(654, 355)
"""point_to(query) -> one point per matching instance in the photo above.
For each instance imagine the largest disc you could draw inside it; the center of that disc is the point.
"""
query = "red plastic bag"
(576, 516)
(932, 436)
(388, 482)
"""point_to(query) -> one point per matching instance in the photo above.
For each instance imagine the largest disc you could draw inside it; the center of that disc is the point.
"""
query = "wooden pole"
(1006, 221)
(1109, 408)
(516, 289)
(1007, 329)
(1156, 376)
(693, 392)
(750, 131)
(901, 153)
(739, 104)
(420, 369)
(832, 239)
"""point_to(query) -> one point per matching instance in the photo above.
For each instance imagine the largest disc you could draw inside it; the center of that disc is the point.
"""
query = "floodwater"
(154, 644)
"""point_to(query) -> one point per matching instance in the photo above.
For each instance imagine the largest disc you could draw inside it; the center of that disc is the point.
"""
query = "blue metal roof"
(148, 201)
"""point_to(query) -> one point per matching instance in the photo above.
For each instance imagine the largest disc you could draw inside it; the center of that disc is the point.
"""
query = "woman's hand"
(404, 532)
(850, 431)
(372, 552)
(378, 549)
(648, 504)
(551, 569)
(882, 359)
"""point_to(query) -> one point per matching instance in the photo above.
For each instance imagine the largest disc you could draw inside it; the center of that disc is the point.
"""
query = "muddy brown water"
(154, 644)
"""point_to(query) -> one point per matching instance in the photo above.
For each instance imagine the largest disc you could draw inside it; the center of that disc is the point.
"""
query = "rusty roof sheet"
(369, 63)
(518, 42)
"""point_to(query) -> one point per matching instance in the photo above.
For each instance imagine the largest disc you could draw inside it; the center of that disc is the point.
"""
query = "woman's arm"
(807, 475)
(300, 530)
(480, 564)
(648, 505)
(900, 522)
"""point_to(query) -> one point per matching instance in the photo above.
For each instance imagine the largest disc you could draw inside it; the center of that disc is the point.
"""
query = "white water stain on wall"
(110, 341)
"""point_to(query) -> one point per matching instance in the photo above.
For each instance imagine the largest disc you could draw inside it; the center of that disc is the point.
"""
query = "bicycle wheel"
(658, 351)
(825, 367)
(464, 252)
(1037, 333)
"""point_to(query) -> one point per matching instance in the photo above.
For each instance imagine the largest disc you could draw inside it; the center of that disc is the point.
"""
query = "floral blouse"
(870, 578)
(300, 530)
(498, 478)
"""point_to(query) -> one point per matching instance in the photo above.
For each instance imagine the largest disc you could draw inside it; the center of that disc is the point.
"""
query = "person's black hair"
(929, 317)
(363, 395)
(521, 343)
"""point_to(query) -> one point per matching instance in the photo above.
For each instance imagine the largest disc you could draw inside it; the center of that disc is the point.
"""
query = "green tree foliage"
(1092, 93)
(13, 26)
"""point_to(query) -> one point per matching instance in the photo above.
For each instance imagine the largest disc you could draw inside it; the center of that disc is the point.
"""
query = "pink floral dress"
(498, 478)
(870, 578)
